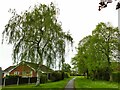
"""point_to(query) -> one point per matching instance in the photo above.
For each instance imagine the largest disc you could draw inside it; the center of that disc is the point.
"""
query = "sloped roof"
(9, 68)
(35, 66)
(32, 65)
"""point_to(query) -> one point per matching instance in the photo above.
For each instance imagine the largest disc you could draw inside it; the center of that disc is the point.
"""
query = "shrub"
(116, 76)
(62, 75)
(74, 74)
(56, 76)
(66, 75)
(43, 78)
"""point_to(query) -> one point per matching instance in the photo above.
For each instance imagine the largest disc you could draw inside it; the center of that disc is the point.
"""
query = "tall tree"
(97, 51)
(37, 36)
(107, 42)
(66, 67)
(80, 59)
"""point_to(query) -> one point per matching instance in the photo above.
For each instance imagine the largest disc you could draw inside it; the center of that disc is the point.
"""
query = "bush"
(116, 76)
(66, 75)
(56, 76)
(74, 74)
(62, 75)
(43, 78)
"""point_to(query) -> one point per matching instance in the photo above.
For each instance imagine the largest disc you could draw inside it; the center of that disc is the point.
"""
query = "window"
(16, 73)
(27, 74)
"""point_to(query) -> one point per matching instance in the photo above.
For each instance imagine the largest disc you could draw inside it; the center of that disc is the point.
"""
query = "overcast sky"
(80, 17)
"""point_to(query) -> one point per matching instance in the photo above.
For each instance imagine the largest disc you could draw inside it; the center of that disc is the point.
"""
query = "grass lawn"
(59, 85)
(83, 83)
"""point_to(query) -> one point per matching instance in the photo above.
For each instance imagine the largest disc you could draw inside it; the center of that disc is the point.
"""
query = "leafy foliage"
(37, 35)
(56, 76)
(43, 78)
(66, 67)
(97, 51)
(116, 76)
(66, 75)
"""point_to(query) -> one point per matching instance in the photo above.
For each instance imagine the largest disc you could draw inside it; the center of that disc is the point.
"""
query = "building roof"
(9, 68)
(33, 66)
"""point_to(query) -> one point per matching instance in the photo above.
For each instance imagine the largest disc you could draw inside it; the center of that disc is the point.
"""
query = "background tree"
(96, 52)
(107, 41)
(66, 67)
(37, 36)
(82, 55)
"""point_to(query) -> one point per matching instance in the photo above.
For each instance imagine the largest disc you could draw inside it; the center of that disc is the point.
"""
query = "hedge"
(43, 79)
(66, 75)
(55, 76)
(116, 76)
(58, 75)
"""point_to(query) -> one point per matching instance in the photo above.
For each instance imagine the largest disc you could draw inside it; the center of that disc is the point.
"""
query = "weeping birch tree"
(37, 36)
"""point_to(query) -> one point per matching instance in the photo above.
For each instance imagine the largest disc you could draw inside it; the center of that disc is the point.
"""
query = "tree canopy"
(37, 36)
(97, 51)
(66, 67)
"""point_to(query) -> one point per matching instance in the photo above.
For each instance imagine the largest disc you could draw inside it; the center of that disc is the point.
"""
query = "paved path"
(70, 85)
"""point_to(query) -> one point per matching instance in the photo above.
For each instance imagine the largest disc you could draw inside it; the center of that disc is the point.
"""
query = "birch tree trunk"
(38, 76)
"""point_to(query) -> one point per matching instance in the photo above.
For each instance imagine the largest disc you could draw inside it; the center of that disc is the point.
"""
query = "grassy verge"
(83, 83)
(59, 85)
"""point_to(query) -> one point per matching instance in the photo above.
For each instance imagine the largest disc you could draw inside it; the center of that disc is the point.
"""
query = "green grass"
(49, 86)
(81, 82)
